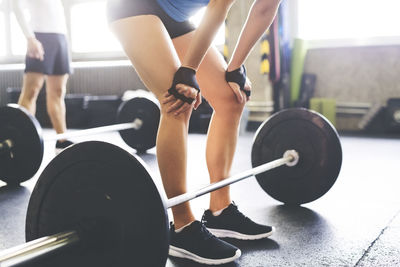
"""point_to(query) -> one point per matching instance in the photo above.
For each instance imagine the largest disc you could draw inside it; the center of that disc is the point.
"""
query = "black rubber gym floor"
(357, 223)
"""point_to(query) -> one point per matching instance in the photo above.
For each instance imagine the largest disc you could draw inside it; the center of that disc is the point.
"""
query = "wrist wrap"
(238, 76)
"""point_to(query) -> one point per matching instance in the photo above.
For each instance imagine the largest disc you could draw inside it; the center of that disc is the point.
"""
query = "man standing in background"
(47, 58)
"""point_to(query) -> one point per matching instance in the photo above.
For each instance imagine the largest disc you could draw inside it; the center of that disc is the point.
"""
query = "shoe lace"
(238, 214)
(204, 233)
(203, 218)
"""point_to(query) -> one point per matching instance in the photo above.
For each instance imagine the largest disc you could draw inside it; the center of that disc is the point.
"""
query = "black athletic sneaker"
(234, 224)
(60, 146)
(196, 243)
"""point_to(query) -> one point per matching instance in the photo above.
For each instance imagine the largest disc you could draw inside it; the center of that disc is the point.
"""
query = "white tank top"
(45, 16)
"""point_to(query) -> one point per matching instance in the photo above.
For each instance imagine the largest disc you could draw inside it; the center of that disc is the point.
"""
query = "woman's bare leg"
(149, 47)
(223, 129)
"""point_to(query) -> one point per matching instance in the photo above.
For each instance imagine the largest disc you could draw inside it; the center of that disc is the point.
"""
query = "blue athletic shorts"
(56, 56)
(119, 9)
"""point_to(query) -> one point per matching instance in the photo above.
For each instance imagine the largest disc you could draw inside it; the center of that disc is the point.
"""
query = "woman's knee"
(183, 117)
(228, 106)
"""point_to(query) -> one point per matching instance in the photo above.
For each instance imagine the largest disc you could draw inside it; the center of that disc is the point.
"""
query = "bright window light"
(18, 40)
(335, 19)
(2, 35)
(91, 34)
(220, 37)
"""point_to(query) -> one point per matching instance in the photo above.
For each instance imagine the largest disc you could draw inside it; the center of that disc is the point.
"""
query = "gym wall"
(107, 78)
(358, 78)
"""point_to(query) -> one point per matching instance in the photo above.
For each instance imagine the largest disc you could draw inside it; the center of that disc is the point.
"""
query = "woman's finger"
(175, 106)
(167, 99)
(247, 87)
(236, 90)
(198, 101)
(182, 109)
(187, 91)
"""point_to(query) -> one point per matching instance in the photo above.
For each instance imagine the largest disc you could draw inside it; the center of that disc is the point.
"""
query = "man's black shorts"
(56, 55)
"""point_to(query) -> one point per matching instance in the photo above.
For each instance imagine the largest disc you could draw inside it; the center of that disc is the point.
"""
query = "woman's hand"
(239, 83)
(184, 92)
(240, 95)
(35, 49)
(177, 106)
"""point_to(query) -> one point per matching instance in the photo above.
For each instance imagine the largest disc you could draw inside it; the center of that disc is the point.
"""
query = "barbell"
(95, 204)
(21, 139)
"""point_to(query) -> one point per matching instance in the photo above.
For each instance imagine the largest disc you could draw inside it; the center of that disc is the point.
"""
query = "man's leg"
(55, 92)
(32, 83)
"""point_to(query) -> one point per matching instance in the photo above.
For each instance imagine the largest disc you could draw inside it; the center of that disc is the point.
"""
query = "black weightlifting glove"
(185, 76)
(238, 76)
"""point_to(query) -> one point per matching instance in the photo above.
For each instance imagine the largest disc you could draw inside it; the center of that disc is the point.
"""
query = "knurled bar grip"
(36, 248)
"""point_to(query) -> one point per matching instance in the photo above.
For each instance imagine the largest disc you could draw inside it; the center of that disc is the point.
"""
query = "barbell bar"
(96, 183)
(136, 125)
(290, 158)
(21, 138)
(7, 145)
(37, 248)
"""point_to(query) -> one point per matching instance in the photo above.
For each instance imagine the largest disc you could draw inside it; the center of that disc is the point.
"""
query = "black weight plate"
(25, 132)
(320, 152)
(144, 107)
(94, 180)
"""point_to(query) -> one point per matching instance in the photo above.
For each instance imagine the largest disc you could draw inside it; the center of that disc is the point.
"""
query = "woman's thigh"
(150, 49)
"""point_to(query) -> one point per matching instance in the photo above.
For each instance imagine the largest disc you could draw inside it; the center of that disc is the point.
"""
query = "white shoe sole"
(181, 253)
(221, 233)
